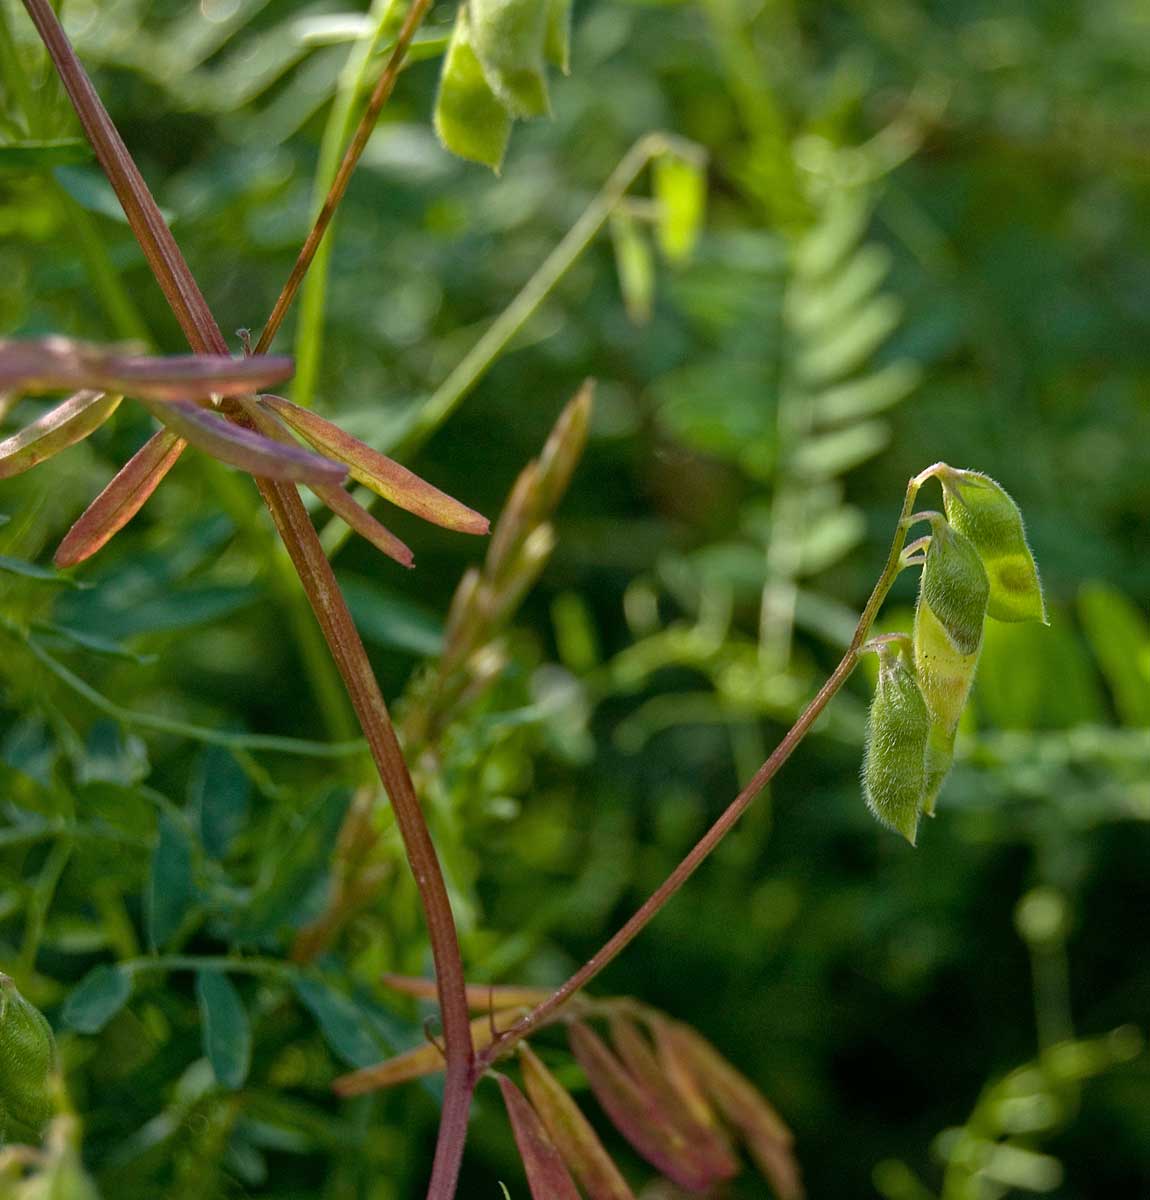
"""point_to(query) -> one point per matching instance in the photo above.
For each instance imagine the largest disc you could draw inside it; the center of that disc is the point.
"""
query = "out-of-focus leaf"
(547, 1175)
(832, 454)
(41, 154)
(297, 869)
(226, 1031)
(571, 1131)
(220, 793)
(172, 890)
(57, 429)
(112, 756)
(94, 642)
(849, 346)
(376, 471)
(390, 619)
(100, 995)
(816, 308)
(470, 119)
(27, 570)
(680, 187)
(124, 496)
(635, 266)
(342, 1022)
(873, 393)
(830, 537)
(1032, 676)
(246, 449)
(1120, 638)
(55, 363)
(838, 231)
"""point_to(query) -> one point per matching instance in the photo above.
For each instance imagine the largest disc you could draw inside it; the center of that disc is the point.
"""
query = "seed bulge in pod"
(27, 1060)
(894, 762)
(983, 512)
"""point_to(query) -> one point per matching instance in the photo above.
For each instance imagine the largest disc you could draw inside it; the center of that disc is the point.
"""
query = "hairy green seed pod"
(27, 1060)
(945, 674)
(982, 511)
(469, 118)
(954, 586)
(894, 762)
(939, 758)
(948, 624)
(510, 40)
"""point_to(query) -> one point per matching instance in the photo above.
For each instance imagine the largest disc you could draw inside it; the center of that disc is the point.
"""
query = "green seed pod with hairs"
(510, 40)
(894, 762)
(27, 1061)
(954, 585)
(948, 623)
(983, 512)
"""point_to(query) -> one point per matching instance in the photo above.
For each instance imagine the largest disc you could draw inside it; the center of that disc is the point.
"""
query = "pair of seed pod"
(975, 563)
(27, 1064)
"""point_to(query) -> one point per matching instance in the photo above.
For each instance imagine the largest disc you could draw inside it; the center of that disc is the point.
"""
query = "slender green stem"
(447, 397)
(41, 901)
(270, 967)
(200, 733)
(127, 320)
(379, 98)
(339, 127)
(462, 380)
(654, 904)
(28, 833)
(321, 672)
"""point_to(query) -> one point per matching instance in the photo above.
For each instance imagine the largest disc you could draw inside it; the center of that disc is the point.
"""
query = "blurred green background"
(925, 238)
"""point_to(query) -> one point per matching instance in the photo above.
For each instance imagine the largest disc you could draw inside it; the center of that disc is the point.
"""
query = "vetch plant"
(669, 1093)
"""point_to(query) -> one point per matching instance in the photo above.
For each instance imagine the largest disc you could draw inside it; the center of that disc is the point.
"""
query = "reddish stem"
(187, 303)
(339, 631)
(655, 902)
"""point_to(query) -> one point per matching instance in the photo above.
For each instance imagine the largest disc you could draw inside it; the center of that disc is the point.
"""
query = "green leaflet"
(469, 118)
(226, 1031)
(98, 998)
